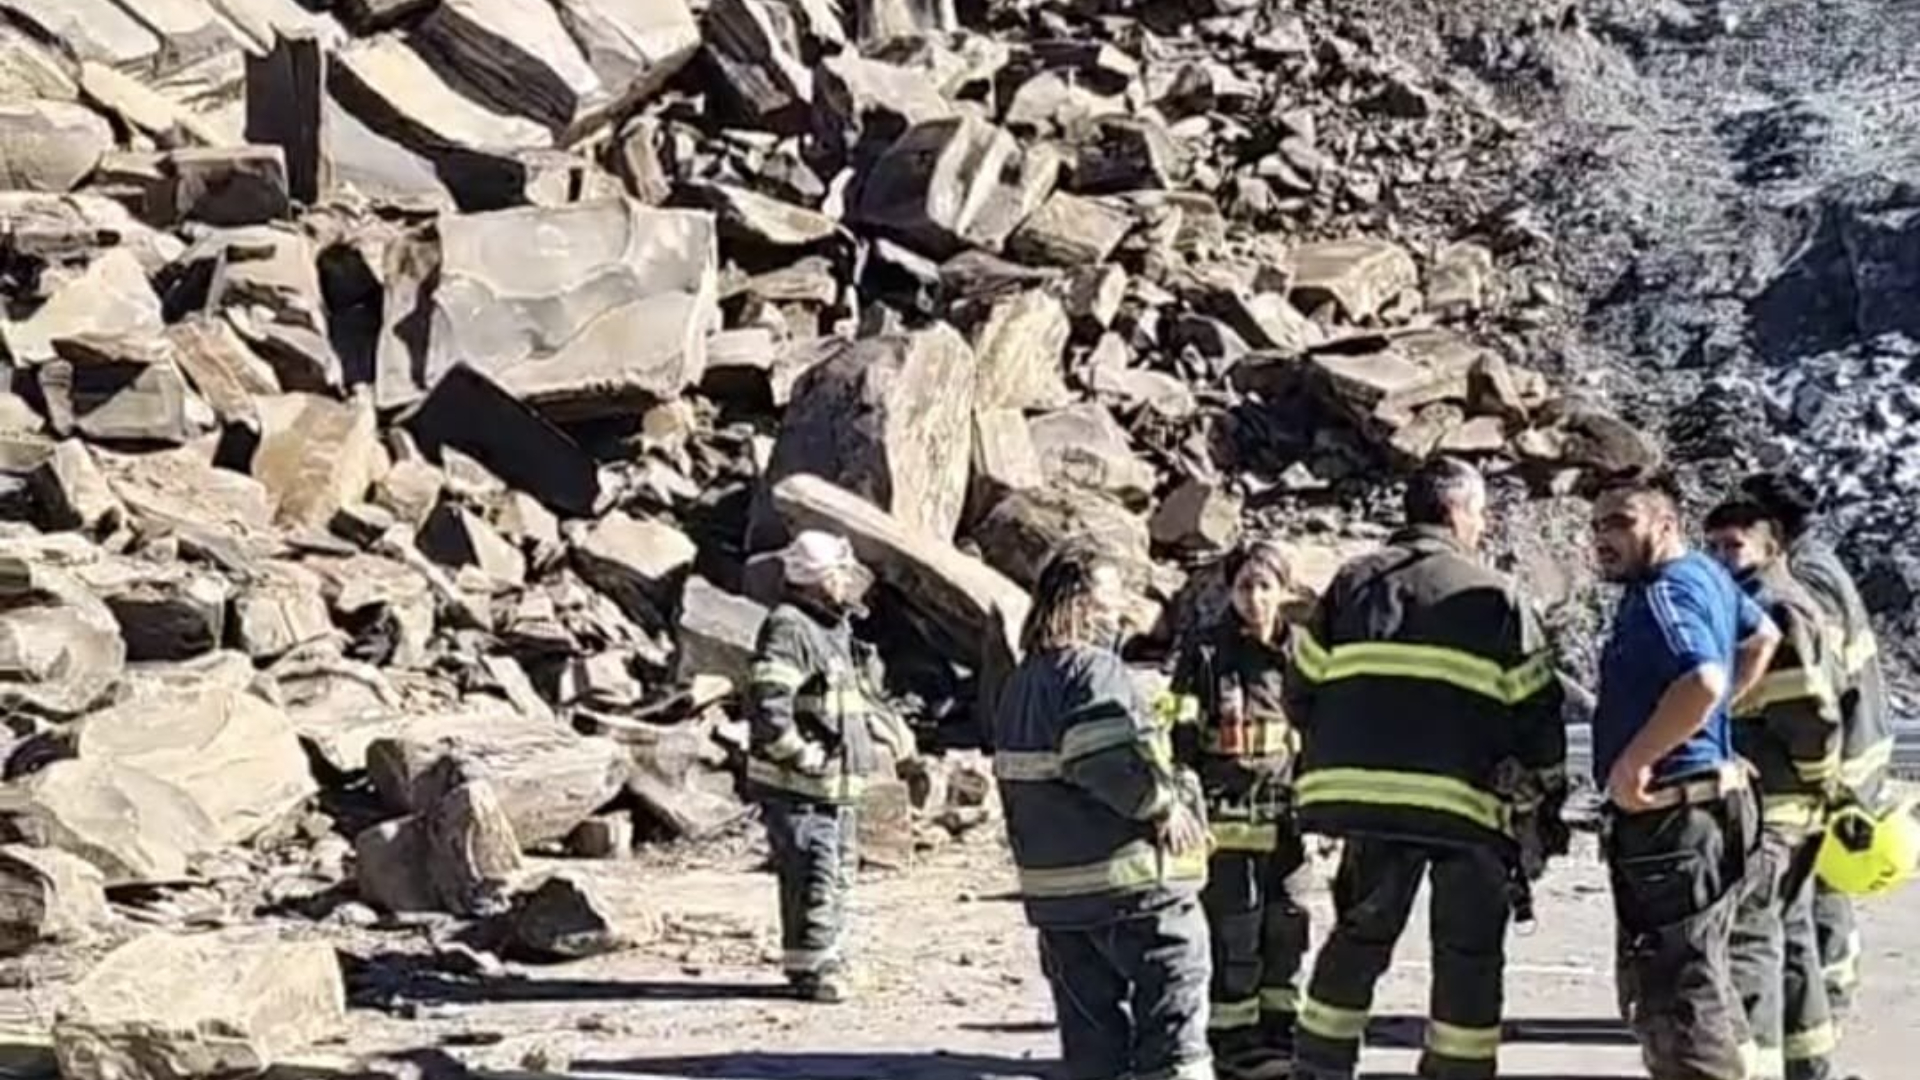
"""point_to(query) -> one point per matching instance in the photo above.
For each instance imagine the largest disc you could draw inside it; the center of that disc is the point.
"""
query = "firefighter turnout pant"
(1776, 963)
(1678, 876)
(815, 854)
(1373, 895)
(1258, 926)
(1131, 996)
(1839, 935)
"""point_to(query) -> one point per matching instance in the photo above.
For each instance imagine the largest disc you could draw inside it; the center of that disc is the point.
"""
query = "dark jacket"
(1085, 776)
(1866, 750)
(1788, 725)
(1424, 690)
(809, 688)
(1233, 728)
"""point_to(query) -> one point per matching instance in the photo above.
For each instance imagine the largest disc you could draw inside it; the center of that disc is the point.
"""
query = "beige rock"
(143, 109)
(95, 30)
(634, 46)
(1359, 277)
(934, 182)
(1459, 280)
(1023, 530)
(519, 56)
(1004, 460)
(316, 455)
(564, 918)
(473, 852)
(1018, 349)
(168, 1007)
(221, 367)
(111, 299)
(1197, 517)
(60, 648)
(681, 780)
(1071, 230)
(1083, 445)
(234, 754)
(888, 418)
(717, 632)
(885, 825)
(279, 610)
(547, 779)
(638, 562)
(402, 97)
(47, 895)
(49, 145)
(166, 611)
(134, 827)
(74, 493)
(29, 70)
(140, 403)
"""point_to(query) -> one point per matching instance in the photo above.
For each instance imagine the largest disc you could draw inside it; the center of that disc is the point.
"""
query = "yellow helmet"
(1890, 855)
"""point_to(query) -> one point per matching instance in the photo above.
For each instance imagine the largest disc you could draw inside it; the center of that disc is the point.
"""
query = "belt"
(1707, 787)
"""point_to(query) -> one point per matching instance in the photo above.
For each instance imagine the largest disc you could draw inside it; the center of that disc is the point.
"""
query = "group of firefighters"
(1414, 713)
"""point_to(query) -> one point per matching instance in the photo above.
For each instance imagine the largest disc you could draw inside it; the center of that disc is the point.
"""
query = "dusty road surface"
(952, 989)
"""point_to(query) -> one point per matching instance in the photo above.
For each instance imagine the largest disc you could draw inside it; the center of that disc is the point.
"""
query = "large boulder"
(60, 649)
(134, 827)
(47, 895)
(49, 145)
(887, 418)
(172, 1007)
(585, 310)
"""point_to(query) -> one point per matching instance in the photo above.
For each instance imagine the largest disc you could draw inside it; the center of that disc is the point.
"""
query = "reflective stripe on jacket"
(808, 690)
(1418, 674)
(1788, 725)
(1084, 775)
(1866, 750)
(1233, 727)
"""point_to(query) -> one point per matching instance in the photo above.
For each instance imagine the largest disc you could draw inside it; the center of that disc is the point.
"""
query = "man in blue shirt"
(1683, 819)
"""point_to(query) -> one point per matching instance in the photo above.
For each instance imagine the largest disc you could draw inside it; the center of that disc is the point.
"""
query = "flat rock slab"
(1084, 445)
(935, 182)
(235, 754)
(1358, 277)
(134, 827)
(397, 93)
(49, 145)
(548, 779)
(634, 46)
(110, 300)
(97, 30)
(717, 632)
(519, 56)
(166, 1007)
(60, 648)
(1023, 530)
(316, 455)
(166, 611)
(585, 310)
(47, 895)
(470, 412)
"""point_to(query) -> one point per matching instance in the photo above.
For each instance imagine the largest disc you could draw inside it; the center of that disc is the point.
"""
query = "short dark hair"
(1657, 486)
(1739, 514)
(1788, 500)
(1437, 487)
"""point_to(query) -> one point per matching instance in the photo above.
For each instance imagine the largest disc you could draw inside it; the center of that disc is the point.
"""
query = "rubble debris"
(315, 456)
(1197, 517)
(1024, 529)
(61, 652)
(932, 186)
(603, 836)
(109, 301)
(165, 611)
(637, 562)
(679, 779)
(472, 413)
(518, 56)
(1358, 277)
(134, 827)
(1083, 445)
(165, 1006)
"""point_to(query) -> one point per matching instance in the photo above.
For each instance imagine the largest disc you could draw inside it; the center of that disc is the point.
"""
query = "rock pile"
(413, 390)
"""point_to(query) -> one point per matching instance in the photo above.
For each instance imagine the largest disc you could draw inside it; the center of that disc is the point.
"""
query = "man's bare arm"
(1683, 710)
(1753, 657)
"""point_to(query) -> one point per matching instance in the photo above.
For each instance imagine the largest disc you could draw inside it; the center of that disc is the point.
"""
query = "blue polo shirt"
(1689, 613)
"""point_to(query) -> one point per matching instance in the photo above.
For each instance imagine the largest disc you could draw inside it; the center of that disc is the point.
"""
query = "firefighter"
(1109, 841)
(1230, 684)
(1866, 751)
(1681, 823)
(816, 717)
(1430, 712)
(1788, 727)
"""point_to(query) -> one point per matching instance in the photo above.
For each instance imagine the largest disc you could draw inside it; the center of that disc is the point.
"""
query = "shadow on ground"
(828, 1066)
(389, 981)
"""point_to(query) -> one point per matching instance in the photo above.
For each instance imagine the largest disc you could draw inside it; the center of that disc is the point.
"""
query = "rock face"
(614, 310)
(47, 895)
(887, 418)
(168, 1007)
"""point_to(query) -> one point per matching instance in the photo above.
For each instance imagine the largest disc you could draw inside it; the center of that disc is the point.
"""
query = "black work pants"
(1373, 897)
(1258, 927)
(815, 854)
(1776, 962)
(1678, 875)
(1839, 935)
(1130, 996)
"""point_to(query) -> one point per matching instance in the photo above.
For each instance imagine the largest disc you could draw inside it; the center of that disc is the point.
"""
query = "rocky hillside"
(402, 397)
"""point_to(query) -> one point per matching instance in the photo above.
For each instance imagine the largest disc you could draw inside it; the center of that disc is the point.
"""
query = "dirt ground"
(951, 989)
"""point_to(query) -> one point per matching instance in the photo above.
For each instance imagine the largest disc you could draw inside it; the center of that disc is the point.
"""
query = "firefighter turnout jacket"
(1420, 673)
(1788, 725)
(1866, 751)
(1232, 728)
(1085, 776)
(811, 691)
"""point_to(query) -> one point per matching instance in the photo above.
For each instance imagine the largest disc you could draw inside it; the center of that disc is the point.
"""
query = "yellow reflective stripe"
(1134, 867)
(1763, 1063)
(1267, 738)
(777, 673)
(1085, 740)
(1859, 651)
(787, 745)
(834, 787)
(1279, 999)
(1787, 685)
(1436, 663)
(1227, 1015)
(1869, 762)
(1241, 836)
(1818, 1041)
(1790, 811)
(1026, 766)
(1827, 768)
(1413, 791)
(1467, 1043)
(1331, 1022)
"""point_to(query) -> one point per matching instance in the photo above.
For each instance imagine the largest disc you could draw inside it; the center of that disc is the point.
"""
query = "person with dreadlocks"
(816, 716)
(1109, 839)
(1229, 686)
(1866, 750)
